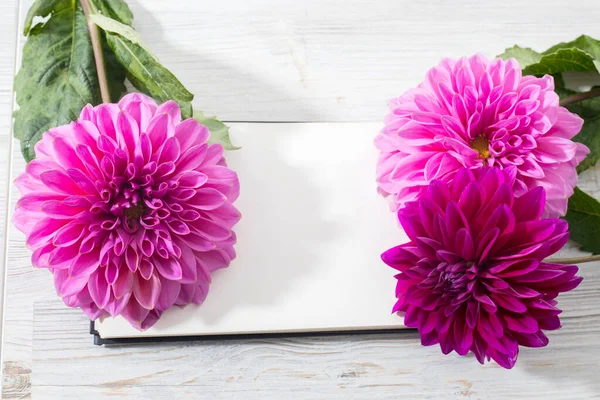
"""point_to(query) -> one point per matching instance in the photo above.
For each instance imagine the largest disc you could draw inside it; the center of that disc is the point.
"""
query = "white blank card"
(309, 241)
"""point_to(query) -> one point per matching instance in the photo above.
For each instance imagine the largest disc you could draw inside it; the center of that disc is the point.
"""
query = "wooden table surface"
(286, 61)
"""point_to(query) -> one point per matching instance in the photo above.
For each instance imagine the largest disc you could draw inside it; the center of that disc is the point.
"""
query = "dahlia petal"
(471, 200)
(91, 162)
(411, 316)
(537, 339)
(67, 285)
(191, 133)
(169, 268)
(429, 323)
(214, 260)
(531, 168)
(111, 273)
(160, 128)
(124, 283)
(117, 306)
(146, 292)
(127, 131)
(61, 257)
(92, 311)
(485, 300)
(135, 313)
(509, 303)
(503, 359)
(541, 275)
(446, 341)
(40, 256)
(65, 154)
(106, 116)
(186, 295)
(60, 182)
(429, 339)
(513, 268)
(168, 294)
(521, 323)
(472, 316)
(99, 289)
(211, 229)
(465, 246)
(530, 206)
(463, 338)
(82, 181)
(84, 265)
(551, 323)
(172, 108)
(193, 158)
(177, 226)
(188, 265)
(193, 179)
(486, 243)
(567, 124)
(68, 234)
(35, 201)
(170, 151)
(455, 219)
(152, 317)
(146, 269)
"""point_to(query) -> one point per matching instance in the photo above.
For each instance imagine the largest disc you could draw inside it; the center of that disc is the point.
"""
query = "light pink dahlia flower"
(130, 209)
(474, 112)
(473, 276)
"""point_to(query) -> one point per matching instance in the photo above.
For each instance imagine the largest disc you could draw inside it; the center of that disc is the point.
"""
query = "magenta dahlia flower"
(130, 209)
(473, 113)
(472, 276)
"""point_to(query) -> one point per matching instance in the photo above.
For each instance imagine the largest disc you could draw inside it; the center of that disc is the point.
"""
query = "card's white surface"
(309, 241)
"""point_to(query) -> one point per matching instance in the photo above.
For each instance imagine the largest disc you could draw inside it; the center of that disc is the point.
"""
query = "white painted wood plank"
(362, 366)
(9, 15)
(336, 60)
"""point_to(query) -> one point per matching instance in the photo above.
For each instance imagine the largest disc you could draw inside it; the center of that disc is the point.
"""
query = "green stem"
(580, 97)
(98, 54)
(574, 260)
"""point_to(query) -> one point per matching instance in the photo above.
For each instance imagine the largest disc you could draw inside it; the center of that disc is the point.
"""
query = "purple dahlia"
(130, 209)
(474, 113)
(473, 276)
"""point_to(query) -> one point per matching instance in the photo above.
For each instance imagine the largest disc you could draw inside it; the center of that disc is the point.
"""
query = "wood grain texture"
(309, 60)
(336, 60)
(358, 366)
(8, 34)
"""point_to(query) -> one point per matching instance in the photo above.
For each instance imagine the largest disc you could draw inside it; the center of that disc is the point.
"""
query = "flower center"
(134, 212)
(480, 144)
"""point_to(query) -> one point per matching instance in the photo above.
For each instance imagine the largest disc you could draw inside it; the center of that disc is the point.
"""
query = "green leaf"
(524, 55)
(115, 9)
(590, 136)
(219, 132)
(114, 26)
(58, 74)
(148, 75)
(583, 216)
(561, 60)
(589, 110)
(40, 8)
(559, 82)
(583, 43)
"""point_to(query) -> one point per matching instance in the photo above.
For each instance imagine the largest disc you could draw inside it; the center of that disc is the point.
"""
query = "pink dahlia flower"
(472, 276)
(130, 209)
(473, 113)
